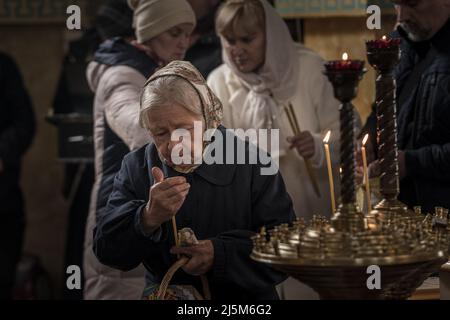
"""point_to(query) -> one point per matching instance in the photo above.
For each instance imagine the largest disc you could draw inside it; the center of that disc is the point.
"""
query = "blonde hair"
(165, 91)
(240, 15)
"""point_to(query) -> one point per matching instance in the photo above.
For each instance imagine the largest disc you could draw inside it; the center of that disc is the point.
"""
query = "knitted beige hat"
(153, 17)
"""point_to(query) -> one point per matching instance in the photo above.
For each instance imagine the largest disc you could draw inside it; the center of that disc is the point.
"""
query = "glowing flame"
(327, 137)
(384, 38)
(345, 56)
(340, 170)
(365, 139)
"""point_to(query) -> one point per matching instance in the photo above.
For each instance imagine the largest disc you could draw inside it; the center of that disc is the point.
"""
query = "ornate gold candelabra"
(332, 256)
(384, 55)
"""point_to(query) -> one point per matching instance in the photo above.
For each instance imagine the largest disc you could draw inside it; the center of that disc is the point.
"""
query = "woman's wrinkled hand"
(201, 257)
(165, 199)
(304, 143)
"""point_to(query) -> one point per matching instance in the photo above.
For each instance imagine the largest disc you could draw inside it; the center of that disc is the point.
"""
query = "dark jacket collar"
(441, 39)
(219, 174)
(117, 51)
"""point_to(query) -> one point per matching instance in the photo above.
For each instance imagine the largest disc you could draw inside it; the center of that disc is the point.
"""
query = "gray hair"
(165, 91)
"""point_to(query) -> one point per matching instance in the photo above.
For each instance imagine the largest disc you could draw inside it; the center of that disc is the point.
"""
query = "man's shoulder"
(442, 63)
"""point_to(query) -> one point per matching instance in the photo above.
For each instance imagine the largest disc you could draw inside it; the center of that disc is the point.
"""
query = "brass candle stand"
(332, 256)
(383, 56)
(334, 263)
(345, 77)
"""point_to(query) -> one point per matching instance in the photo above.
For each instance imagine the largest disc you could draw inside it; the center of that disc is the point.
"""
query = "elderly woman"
(224, 204)
(120, 68)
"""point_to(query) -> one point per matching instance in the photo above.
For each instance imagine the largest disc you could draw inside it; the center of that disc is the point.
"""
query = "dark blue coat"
(423, 122)
(427, 112)
(226, 204)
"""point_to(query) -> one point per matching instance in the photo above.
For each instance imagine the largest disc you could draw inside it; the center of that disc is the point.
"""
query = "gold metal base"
(334, 262)
(350, 282)
(349, 218)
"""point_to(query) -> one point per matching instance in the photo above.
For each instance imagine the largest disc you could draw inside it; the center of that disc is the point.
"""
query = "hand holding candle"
(166, 197)
(330, 171)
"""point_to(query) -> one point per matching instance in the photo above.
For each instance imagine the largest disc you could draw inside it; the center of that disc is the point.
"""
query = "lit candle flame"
(384, 38)
(327, 137)
(340, 170)
(345, 56)
(365, 139)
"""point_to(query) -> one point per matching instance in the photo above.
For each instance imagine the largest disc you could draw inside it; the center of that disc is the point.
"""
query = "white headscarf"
(274, 84)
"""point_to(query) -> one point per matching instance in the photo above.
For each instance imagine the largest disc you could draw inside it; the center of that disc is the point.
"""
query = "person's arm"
(122, 106)
(271, 206)
(119, 237)
(18, 136)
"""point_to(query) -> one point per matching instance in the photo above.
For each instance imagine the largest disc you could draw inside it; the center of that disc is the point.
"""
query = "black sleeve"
(119, 241)
(271, 206)
(433, 161)
(18, 134)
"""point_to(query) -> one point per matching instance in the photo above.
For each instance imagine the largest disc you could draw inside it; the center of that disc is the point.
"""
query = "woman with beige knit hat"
(117, 75)
(163, 28)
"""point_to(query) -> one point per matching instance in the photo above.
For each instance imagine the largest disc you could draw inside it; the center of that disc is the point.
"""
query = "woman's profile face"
(171, 44)
(247, 50)
(163, 121)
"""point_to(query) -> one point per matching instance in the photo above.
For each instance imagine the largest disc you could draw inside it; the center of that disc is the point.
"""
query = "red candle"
(383, 43)
(344, 64)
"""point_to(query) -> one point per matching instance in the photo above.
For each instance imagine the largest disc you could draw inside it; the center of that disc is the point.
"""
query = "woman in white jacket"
(265, 72)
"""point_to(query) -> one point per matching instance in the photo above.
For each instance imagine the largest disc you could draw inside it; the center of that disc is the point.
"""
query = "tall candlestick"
(344, 76)
(366, 173)
(330, 172)
(384, 55)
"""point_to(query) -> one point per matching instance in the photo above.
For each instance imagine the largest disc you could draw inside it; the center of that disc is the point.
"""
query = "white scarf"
(269, 90)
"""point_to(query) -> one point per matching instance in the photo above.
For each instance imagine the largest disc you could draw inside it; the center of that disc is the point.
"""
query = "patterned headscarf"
(211, 106)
